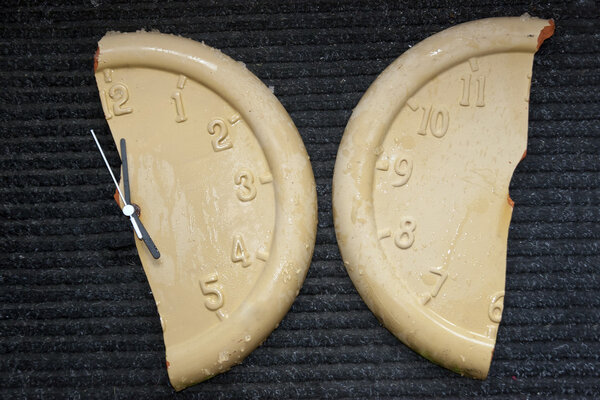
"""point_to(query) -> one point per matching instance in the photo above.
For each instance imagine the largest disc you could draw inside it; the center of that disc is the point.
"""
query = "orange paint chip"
(96, 58)
(116, 197)
(510, 201)
(168, 364)
(546, 32)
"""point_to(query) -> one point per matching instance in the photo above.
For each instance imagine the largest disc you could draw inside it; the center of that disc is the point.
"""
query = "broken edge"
(546, 32)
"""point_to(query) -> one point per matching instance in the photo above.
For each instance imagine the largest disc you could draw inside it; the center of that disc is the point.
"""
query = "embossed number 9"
(222, 141)
(217, 302)
(403, 168)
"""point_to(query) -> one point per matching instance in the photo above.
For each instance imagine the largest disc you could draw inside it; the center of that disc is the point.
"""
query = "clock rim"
(418, 327)
(294, 187)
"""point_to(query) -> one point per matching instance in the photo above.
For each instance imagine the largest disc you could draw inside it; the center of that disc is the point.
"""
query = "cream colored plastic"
(226, 192)
(420, 188)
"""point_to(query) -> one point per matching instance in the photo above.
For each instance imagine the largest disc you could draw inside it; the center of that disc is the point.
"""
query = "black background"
(77, 319)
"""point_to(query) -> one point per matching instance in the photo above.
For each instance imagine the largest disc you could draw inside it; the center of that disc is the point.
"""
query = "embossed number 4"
(239, 252)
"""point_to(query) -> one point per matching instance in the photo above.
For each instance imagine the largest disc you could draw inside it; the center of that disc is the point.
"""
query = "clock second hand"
(128, 209)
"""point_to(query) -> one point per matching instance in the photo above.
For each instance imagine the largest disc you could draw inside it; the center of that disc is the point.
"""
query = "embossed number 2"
(222, 141)
(119, 94)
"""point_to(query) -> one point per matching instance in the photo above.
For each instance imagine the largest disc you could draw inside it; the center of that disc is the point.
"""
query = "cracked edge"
(546, 32)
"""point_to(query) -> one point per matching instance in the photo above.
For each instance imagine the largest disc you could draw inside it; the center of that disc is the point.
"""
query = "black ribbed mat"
(77, 319)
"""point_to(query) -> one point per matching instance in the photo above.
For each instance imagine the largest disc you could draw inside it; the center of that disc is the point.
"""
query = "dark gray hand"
(144, 233)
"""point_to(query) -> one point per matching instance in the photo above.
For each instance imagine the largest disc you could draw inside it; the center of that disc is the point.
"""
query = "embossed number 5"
(211, 304)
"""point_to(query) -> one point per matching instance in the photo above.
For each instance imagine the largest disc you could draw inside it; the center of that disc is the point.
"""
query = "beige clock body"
(225, 189)
(420, 195)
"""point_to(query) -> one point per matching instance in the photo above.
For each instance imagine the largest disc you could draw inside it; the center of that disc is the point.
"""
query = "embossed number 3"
(246, 188)
(222, 141)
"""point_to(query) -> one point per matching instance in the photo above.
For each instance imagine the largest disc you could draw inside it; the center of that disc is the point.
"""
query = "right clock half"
(420, 188)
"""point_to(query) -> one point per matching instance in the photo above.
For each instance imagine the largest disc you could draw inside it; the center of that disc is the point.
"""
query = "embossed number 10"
(437, 119)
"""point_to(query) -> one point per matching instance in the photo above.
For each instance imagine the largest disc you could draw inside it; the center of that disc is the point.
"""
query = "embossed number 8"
(406, 236)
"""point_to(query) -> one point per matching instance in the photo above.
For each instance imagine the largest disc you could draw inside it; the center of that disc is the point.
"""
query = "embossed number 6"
(496, 307)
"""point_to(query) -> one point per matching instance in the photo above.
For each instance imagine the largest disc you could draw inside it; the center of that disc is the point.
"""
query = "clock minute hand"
(144, 233)
(125, 168)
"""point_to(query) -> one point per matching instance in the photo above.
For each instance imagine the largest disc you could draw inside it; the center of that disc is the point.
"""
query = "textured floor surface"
(77, 319)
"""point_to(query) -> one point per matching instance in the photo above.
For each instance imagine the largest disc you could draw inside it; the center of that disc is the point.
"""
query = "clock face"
(420, 193)
(225, 190)
(441, 183)
(204, 188)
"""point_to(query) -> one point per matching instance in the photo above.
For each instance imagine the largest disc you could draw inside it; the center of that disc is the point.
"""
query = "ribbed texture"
(77, 319)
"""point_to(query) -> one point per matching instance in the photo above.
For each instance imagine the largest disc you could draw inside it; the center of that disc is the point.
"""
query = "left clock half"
(222, 185)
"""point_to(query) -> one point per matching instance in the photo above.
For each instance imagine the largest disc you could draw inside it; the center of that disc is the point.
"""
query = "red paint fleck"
(116, 197)
(168, 364)
(510, 201)
(524, 155)
(514, 378)
(96, 58)
(546, 32)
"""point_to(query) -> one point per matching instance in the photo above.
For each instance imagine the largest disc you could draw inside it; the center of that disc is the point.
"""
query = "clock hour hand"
(146, 238)
(133, 214)
(128, 209)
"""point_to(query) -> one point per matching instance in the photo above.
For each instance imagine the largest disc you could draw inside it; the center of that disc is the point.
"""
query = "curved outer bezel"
(424, 331)
(293, 182)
